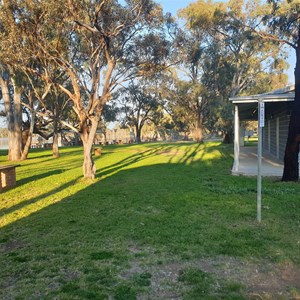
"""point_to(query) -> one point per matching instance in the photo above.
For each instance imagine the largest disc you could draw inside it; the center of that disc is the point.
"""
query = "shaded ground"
(248, 161)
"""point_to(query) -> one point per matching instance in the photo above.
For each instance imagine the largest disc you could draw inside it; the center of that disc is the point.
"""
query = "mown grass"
(252, 141)
(63, 237)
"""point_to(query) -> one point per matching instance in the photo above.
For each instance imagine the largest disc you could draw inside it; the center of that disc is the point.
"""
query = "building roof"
(248, 104)
(284, 94)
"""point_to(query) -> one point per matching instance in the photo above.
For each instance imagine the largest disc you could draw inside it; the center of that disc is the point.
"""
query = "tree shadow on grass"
(150, 214)
(33, 200)
(158, 150)
(39, 176)
(138, 157)
(117, 206)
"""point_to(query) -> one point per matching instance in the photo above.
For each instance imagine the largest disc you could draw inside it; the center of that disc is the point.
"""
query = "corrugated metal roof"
(279, 95)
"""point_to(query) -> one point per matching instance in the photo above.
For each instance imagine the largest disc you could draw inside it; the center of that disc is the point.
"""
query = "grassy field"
(252, 141)
(161, 221)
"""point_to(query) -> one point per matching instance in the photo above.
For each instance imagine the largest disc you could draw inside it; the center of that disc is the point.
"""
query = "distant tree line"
(78, 64)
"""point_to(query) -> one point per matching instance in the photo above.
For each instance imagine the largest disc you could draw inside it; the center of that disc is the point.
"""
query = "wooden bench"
(7, 176)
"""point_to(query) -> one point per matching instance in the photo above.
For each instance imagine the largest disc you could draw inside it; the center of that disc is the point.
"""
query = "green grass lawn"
(252, 141)
(161, 221)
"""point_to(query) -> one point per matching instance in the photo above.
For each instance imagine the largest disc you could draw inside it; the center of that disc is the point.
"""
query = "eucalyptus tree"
(270, 25)
(279, 22)
(139, 104)
(192, 94)
(115, 47)
(227, 23)
(97, 44)
(227, 26)
(46, 107)
(11, 91)
(188, 106)
(18, 93)
(30, 108)
(186, 96)
(11, 94)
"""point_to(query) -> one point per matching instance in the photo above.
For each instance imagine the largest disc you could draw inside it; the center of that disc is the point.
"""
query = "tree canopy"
(96, 45)
(63, 62)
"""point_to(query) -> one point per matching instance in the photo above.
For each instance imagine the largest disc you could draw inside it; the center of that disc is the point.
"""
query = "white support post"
(261, 124)
(236, 139)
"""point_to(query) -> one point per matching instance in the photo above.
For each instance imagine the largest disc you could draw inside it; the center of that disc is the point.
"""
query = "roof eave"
(264, 98)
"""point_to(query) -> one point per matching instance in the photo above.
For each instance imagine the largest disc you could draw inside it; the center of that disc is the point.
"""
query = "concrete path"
(248, 164)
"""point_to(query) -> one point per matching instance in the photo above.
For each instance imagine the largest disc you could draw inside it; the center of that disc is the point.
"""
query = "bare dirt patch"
(11, 246)
(260, 279)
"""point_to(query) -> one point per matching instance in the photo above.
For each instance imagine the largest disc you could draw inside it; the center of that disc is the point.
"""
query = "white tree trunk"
(13, 113)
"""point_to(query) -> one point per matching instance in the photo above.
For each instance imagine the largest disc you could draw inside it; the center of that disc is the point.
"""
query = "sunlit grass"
(63, 237)
(59, 178)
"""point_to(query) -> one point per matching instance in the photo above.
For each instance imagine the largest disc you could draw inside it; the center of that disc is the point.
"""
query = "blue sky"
(173, 5)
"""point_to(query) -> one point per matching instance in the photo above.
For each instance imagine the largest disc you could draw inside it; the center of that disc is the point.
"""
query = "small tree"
(187, 105)
(137, 106)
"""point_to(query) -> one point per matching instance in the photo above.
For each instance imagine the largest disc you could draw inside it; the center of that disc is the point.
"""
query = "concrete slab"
(248, 164)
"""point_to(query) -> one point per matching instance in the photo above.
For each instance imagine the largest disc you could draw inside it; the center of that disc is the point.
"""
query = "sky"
(172, 6)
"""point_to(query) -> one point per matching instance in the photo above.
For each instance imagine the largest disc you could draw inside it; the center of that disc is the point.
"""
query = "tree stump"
(97, 151)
